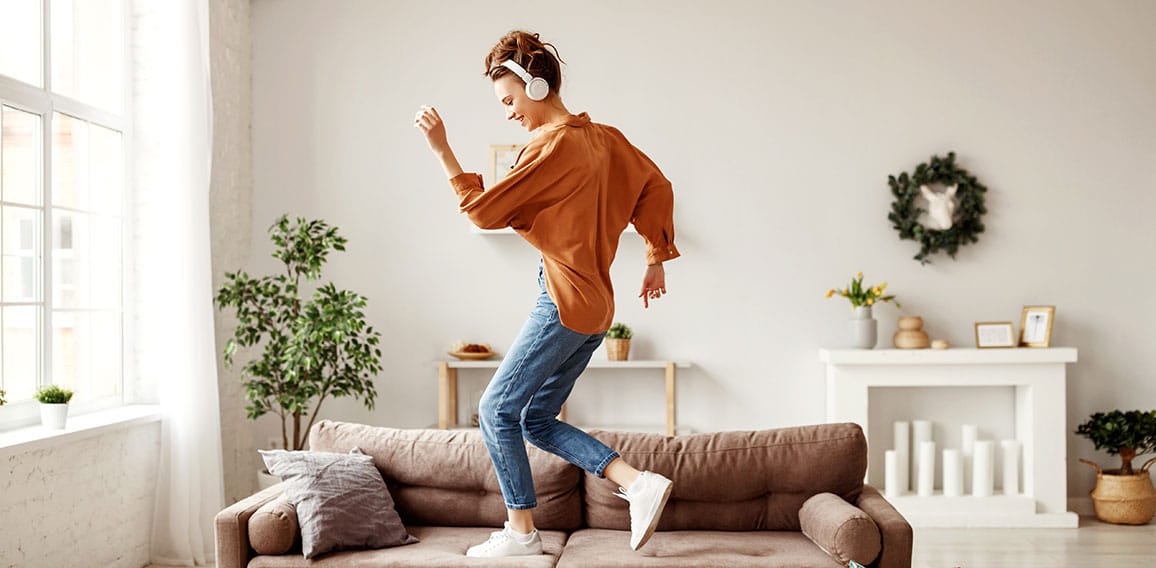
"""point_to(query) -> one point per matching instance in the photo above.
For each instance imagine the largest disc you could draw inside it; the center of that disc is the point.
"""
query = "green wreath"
(966, 224)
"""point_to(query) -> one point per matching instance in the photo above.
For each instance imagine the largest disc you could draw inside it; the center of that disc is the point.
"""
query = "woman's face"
(511, 92)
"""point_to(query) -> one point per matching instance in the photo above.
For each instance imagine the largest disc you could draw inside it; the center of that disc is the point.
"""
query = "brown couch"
(740, 499)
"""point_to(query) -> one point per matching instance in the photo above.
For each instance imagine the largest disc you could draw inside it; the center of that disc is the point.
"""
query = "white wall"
(778, 124)
(81, 503)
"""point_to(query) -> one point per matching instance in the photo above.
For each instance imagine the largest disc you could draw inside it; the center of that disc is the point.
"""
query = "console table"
(1036, 376)
(448, 384)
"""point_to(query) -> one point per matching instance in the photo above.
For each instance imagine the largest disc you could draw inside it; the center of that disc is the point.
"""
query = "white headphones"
(536, 87)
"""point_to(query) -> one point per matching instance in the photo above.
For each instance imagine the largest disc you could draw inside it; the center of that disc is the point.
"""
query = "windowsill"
(32, 438)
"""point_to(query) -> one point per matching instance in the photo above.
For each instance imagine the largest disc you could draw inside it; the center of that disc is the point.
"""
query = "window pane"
(87, 352)
(20, 151)
(69, 162)
(20, 27)
(21, 254)
(106, 165)
(104, 262)
(88, 51)
(20, 351)
(71, 256)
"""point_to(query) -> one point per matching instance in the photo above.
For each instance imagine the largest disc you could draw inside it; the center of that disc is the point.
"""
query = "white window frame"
(44, 103)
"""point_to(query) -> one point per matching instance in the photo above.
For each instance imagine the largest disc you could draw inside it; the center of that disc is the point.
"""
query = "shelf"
(594, 364)
(953, 356)
(996, 511)
(510, 231)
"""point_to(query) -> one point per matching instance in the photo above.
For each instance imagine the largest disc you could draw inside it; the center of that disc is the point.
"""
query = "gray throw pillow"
(342, 501)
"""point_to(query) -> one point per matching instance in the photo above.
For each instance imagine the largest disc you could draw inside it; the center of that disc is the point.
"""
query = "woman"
(570, 194)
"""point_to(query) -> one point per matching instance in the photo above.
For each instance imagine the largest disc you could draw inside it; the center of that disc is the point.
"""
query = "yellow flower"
(870, 301)
(858, 275)
(882, 286)
(876, 290)
(830, 292)
(844, 292)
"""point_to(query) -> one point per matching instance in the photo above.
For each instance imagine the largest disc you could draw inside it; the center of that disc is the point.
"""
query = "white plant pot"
(53, 416)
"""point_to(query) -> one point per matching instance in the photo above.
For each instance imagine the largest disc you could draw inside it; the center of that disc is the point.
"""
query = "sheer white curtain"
(174, 312)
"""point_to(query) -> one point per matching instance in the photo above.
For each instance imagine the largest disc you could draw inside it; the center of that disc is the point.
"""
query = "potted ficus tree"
(618, 342)
(1124, 495)
(307, 350)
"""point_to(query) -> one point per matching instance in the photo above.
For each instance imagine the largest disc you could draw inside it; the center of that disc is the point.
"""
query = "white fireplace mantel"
(1037, 376)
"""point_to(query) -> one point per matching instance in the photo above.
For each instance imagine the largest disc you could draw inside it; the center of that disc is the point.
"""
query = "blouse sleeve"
(653, 217)
(500, 206)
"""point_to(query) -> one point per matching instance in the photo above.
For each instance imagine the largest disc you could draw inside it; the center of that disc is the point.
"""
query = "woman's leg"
(540, 349)
(540, 423)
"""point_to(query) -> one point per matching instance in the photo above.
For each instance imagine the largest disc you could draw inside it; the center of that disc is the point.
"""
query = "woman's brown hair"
(525, 49)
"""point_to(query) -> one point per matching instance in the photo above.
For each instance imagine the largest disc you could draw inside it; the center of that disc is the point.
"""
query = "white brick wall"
(81, 504)
(230, 216)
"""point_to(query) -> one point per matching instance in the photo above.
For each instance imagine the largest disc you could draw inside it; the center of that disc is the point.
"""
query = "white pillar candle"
(920, 432)
(926, 469)
(969, 433)
(1011, 467)
(952, 473)
(891, 470)
(902, 445)
(984, 468)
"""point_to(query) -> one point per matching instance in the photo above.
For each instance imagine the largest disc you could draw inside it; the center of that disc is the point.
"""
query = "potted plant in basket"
(53, 401)
(1124, 495)
(618, 342)
(308, 350)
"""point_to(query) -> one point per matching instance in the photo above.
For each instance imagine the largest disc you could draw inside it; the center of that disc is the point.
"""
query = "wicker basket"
(617, 349)
(1124, 499)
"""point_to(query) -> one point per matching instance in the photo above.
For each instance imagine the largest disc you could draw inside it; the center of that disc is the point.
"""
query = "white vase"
(864, 329)
(53, 416)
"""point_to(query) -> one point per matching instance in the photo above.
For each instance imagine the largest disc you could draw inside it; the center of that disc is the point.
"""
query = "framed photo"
(1036, 326)
(502, 158)
(989, 334)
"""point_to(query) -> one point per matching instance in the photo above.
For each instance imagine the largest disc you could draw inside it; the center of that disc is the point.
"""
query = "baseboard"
(1081, 506)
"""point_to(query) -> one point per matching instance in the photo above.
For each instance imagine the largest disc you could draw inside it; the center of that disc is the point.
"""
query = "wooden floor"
(1093, 545)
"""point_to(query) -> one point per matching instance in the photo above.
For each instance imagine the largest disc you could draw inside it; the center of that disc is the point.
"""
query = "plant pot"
(864, 328)
(54, 416)
(1124, 499)
(617, 349)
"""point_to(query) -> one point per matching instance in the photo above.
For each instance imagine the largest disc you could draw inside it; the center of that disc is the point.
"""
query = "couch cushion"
(598, 548)
(841, 529)
(341, 500)
(737, 481)
(440, 547)
(273, 527)
(445, 478)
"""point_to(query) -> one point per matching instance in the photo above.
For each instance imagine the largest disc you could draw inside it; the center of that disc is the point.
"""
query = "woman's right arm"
(430, 123)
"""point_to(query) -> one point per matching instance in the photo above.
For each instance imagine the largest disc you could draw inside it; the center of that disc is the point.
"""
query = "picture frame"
(994, 335)
(502, 159)
(1036, 326)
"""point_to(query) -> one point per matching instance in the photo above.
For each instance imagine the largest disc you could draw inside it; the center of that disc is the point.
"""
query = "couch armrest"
(232, 526)
(895, 530)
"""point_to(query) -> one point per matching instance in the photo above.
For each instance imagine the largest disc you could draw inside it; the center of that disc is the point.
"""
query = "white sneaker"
(647, 497)
(503, 543)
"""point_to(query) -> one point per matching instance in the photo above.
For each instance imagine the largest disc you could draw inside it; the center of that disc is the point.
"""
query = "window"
(63, 119)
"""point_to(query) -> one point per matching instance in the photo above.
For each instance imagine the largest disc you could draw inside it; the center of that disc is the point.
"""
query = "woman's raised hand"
(430, 123)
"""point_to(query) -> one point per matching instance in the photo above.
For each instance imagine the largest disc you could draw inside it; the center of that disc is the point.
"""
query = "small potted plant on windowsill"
(618, 342)
(3, 400)
(1124, 495)
(53, 401)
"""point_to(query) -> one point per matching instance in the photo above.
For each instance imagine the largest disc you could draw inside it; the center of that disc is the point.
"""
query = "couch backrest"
(444, 477)
(736, 481)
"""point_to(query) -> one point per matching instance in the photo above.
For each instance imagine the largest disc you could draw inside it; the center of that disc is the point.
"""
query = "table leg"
(670, 399)
(447, 396)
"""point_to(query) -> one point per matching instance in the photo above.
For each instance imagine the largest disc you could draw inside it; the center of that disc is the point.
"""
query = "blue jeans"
(525, 397)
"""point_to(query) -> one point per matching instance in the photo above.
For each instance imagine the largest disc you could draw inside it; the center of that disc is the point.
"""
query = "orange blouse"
(570, 194)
